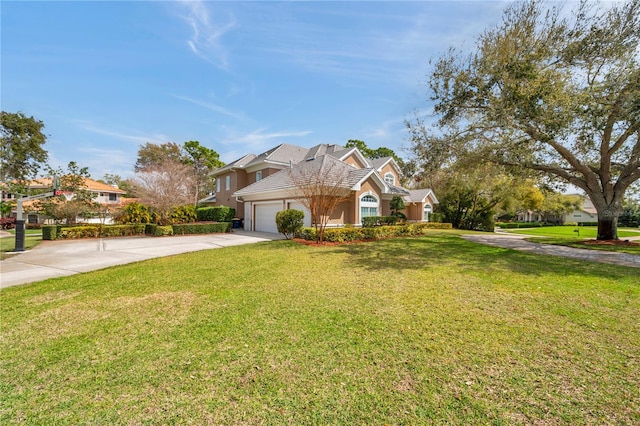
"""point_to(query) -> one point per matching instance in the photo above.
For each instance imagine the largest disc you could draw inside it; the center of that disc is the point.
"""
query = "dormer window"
(258, 175)
(390, 178)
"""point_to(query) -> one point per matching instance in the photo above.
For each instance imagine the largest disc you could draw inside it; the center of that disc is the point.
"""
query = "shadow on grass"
(442, 249)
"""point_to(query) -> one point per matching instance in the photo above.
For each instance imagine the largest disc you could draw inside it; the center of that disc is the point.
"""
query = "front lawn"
(580, 237)
(425, 330)
(571, 231)
(33, 237)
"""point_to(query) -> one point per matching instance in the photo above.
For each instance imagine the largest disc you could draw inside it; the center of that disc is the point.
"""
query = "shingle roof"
(417, 195)
(345, 175)
(89, 184)
(283, 153)
(379, 162)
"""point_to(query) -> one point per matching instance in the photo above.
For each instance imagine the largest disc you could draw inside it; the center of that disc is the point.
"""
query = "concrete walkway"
(517, 242)
(51, 259)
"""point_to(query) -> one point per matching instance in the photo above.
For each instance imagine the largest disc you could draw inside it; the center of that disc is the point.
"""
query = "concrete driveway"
(67, 257)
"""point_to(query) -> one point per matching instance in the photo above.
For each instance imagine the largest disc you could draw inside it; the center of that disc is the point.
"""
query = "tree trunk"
(608, 213)
(607, 227)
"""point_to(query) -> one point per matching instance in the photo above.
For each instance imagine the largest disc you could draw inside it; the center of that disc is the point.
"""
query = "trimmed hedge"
(49, 232)
(86, 231)
(341, 235)
(201, 228)
(157, 230)
(215, 214)
(92, 231)
(515, 225)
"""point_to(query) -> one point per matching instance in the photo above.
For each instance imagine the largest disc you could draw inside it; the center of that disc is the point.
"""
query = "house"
(259, 186)
(587, 213)
(104, 194)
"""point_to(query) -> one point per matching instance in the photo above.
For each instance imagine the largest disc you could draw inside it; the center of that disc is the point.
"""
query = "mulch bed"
(625, 243)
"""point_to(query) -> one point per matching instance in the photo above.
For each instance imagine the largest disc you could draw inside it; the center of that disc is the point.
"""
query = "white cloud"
(136, 136)
(206, 34)
(210, 106)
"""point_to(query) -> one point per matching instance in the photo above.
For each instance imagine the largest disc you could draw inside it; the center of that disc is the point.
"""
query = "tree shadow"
(435, 250)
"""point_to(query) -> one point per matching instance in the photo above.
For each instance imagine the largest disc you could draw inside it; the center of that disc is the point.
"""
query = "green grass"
(570, 237)
(571, 231)
(584, 244)
(430, 330)
(33, 237)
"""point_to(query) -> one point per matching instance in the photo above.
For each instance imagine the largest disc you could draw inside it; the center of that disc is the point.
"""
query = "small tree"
(76, 201)
(397, 204)
(289, 222)
(164, 187)
(321, 185)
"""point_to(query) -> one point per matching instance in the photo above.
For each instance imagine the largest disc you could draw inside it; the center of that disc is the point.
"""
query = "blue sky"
(240, 77)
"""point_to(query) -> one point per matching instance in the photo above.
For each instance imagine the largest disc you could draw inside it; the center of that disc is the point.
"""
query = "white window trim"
(390, 175)
(218, 184)
(368, 204)
(227, 182)
(258, 175)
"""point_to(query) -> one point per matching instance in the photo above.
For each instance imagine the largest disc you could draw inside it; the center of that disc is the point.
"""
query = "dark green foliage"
(122, 230)
(21, 147)
(289, 222)
(49, 232)
(183, 214)
(215, 214)
(201, 228)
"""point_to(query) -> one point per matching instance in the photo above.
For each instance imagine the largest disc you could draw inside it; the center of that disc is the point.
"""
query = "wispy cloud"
(206, 34)
(136, 137)
(210, 106)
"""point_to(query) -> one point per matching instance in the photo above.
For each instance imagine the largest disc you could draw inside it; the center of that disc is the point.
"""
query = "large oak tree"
(553, 92)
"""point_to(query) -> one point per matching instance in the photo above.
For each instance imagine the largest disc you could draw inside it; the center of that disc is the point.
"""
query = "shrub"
(87, 231)
(371, 221)
(7, 222)
(201, 228)
(289, 222)
(122, 230)
(571, 224)
(157, 230)
(184, 214)
(340, 235)
(215, 214)
(49, 232)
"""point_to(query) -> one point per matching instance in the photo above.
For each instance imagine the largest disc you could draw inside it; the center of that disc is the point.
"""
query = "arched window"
(390, 178)
(427, 209)
(368, 206)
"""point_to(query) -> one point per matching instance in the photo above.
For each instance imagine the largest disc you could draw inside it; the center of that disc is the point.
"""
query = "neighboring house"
(259, 186)
(104, 194)
(587, 213)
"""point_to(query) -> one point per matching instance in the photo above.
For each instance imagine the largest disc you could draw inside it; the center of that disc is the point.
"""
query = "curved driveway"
(51, 259)
(518, 242)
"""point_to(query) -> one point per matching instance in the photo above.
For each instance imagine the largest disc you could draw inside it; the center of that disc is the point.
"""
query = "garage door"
(307, 214)
(266, 217)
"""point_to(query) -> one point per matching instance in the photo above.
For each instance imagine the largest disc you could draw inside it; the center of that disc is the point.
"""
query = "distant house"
(104, 194)
(259, 186)
(587, 213)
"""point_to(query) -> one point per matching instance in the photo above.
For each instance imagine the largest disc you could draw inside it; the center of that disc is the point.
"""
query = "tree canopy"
(21, 147)
(551, 93)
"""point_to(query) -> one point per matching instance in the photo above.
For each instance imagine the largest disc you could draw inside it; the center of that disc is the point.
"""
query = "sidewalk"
(51, 259)
(517, 242)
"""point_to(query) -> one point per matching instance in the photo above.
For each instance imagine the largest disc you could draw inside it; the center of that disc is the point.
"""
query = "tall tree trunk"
(608, 212)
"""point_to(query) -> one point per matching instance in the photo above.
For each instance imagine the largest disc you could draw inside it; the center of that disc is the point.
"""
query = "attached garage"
(307, 214)
(265, 216)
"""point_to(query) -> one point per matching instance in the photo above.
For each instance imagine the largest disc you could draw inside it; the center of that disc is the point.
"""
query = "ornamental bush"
(201, 228)
(289, 222)
(215, 214)
(49, 232)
